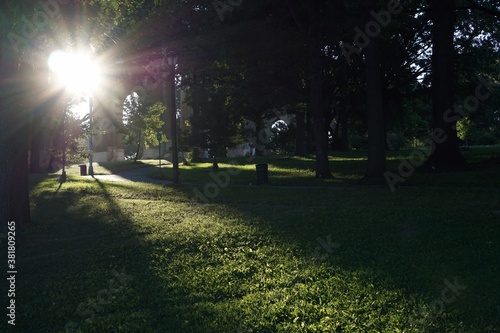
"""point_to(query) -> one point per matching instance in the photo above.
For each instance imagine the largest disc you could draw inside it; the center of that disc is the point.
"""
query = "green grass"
(135, 257)
(347, 168)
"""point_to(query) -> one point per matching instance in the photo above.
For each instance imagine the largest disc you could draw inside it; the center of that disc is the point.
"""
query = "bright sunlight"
(76, 71)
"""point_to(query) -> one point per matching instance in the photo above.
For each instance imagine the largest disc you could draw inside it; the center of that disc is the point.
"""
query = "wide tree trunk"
(316, 92)
(35, 153)
(344, 130)
(260, 136)
(138, 151)
(375, 121)
(309, 25)
(445, 145)
(14, 141)
(309, 133)
(344, 109)
(300, 138)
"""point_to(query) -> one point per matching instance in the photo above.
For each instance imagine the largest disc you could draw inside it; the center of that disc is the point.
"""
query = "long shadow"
(85, 267)
(401, 241)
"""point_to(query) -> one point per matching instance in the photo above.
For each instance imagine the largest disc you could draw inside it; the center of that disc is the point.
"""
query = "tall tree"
(445, 144)
(16, 103)
(310, 26)
(14, 134)
(375, 114)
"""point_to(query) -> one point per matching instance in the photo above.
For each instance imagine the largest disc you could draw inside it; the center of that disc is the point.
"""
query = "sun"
(76, 71)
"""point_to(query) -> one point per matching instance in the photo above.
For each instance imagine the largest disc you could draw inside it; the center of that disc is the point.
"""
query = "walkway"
(135, 175)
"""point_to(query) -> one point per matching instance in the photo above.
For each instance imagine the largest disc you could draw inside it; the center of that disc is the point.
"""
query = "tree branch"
(489, 11)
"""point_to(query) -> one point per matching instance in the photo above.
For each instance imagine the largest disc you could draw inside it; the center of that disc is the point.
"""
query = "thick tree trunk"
(195, 132)
(335, 144)
(309, 25)
(344, 131)
(35, 153)
(260, 147)
(309, 133)
(445, 145)
(139, 148)
(343, 119)
(14, 140)
(38, 127)
(316, 92)
(300, 138)
(196, 152)
(376, 131)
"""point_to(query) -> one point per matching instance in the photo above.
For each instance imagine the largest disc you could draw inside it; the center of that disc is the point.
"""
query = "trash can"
(83, 169)
(262, 173)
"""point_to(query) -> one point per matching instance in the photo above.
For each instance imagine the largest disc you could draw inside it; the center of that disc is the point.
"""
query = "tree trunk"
(309, 25)
(316, 92)
(445, 152)
(139, 148)
(376, 133)
(35, 153)
(196, 152)
(300, 142)
(14, 140)
(309, 133)
(343, 120)
(260, 147)
(344, 130)
(335, 145)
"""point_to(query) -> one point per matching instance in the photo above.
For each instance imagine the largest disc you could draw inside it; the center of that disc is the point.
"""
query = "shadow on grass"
(85, 266)
(407, 244)
(121, 166)
(118, 259)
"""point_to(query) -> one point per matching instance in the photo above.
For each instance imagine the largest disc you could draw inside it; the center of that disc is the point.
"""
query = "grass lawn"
(134, 257)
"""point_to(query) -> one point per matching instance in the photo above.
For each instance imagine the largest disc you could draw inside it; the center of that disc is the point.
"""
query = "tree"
(141, 122)
(309, 24)
(15, 108)
(218, 127)
(445, 146)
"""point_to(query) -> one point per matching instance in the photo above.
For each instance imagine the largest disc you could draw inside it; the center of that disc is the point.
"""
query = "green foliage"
(142, 122)
(69, 140)
(465, 129)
